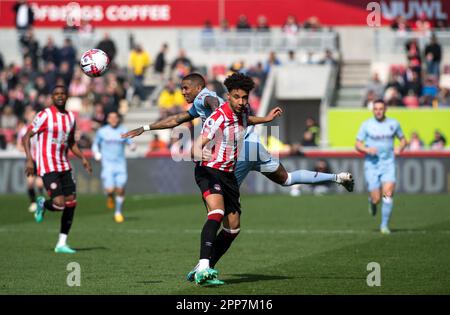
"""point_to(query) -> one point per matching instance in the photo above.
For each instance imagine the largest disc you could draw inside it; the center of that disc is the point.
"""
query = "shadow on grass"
(83, 249)
(254, 278)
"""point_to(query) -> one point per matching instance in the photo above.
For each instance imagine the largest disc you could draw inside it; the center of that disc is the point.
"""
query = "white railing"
(251, 41)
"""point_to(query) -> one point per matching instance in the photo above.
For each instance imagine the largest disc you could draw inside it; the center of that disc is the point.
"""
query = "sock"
(386, 210)
(48, 204)
(66, 219)
(119, 202)
(222, 243)
(41, 191)
(308, 177)
(32, 194)
(202, 264)
(373, 206)
(61, 240)
(209, 233)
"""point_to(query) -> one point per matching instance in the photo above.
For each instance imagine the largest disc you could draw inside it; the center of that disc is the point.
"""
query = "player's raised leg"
(282, 177)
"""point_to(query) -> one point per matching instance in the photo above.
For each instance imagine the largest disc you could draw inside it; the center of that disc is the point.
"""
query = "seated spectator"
(8, 120)
(376, 86)
(312, 126)
(78, 87)
(415, 143)
(370, 99)
(439, 141)
(262, 25)
(312, 24)
(98, 116)
(157, 145)
(308, 139)
(414, 84)
(396, 81)
(444, 97)
(170, 100)
(400, 25)
(430, 88)
(392, 97)
(328, 58)
(181, 66)
(422, 25)
(272, 61)
(292, 60)
(242, 24)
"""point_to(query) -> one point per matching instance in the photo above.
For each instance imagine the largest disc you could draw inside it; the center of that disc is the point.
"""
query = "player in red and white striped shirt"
(55, 129)
(225, 129)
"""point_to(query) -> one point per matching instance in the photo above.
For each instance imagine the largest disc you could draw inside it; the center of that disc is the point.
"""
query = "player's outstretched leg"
(282, 177)
(66, 224)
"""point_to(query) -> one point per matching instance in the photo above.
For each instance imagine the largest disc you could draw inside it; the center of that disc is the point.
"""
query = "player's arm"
(212, 102)
(360, 147)
(73, 146)
(403, 141)
(167, 123)
(26, 142)
(402, 147)
(274, 113)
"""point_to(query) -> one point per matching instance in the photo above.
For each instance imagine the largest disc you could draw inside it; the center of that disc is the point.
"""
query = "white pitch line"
(249, 231)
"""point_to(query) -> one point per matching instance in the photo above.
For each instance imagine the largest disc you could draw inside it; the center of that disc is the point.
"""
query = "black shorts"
(213, 181)
(59, 184)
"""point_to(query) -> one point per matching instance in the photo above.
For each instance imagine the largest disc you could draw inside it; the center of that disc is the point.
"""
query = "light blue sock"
(386, 210)
(308, 177)
(119, 202)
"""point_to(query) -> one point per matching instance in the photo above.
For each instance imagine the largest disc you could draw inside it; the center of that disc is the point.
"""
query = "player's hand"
(29, 168)
(133, 133)
(397, 151)
(274, 113)
(371, 151)
(87, 166)
(206, 155)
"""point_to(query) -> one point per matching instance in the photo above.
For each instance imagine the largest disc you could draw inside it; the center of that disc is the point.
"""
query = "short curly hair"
(239, 81)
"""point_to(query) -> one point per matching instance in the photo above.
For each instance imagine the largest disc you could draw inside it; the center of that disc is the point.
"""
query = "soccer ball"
(94, 62)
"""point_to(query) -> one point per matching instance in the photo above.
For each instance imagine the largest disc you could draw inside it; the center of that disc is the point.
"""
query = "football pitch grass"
(287, 245)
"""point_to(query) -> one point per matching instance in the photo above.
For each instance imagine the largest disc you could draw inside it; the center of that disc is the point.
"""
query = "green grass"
(305, 245)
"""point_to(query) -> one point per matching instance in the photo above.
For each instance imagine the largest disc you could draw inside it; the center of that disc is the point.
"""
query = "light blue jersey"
(380, 168)
(253, 155)
(109, 143)
(199, 109)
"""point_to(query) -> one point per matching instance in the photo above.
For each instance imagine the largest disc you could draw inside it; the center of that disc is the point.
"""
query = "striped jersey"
(53, 130)
(227, 130)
